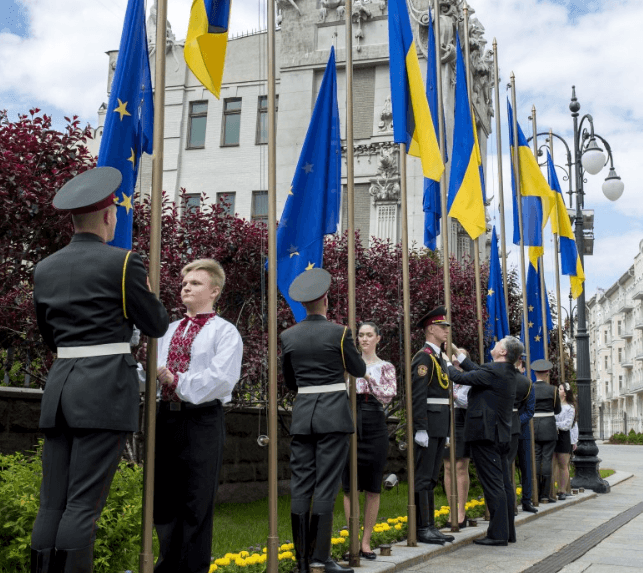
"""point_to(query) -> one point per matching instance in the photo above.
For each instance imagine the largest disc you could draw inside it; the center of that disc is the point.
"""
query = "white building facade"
(616, 348)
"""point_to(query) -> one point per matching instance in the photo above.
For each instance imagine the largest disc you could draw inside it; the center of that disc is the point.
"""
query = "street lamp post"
(589, 158)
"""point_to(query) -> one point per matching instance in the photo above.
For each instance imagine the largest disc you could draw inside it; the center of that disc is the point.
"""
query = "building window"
(620, 381)
(197, 123)
(620, 355)
(618, 327)
(260, 206)
(192, 201)
(262, 119)
(605, 362)
(226, 200)
(231, 121)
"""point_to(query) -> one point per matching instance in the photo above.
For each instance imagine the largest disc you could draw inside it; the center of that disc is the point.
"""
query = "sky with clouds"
(52, 56)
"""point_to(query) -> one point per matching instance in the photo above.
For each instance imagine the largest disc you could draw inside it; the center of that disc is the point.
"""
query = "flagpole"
(453, 495)
(146, 557)
(561, 349)
(272, 565)
(525, 316)
(544, 300)
(503, 238)
(476, 242)
(353, 520)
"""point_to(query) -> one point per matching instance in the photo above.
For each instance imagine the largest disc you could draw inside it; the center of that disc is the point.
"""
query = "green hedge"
(631, 437)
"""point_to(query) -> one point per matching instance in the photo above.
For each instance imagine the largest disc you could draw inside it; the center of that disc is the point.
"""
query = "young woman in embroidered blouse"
(372, 433)
(564, 422)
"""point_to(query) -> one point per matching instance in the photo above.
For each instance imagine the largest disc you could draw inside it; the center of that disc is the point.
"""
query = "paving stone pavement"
(556, 526)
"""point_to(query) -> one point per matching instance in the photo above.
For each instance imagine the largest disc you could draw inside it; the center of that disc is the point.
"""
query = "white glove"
(421, 438)
(447, 442)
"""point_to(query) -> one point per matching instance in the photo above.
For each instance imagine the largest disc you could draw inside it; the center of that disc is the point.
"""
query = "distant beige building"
(218, 147)
(616, 349)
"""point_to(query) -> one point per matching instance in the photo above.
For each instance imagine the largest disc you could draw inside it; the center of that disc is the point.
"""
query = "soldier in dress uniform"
(431, 418)
(523, 411)
(545, 432)
(87, 296)
(315, 355)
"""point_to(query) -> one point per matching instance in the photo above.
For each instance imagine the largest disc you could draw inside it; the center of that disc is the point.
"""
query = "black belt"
(182, 406)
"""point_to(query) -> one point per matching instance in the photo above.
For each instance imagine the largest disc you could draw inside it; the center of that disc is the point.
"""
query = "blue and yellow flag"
(497, 320)
(569, 258)
(206, 42)
(412, 123)
(537, 197)
(431, 202)
(129, 123)
(535, 315)
(465, 202)
(312, 207)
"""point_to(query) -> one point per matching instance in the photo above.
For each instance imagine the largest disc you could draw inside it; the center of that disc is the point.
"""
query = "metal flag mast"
(146, 558)
(525, 317)
(272, 565)
(476, 242)
(353, 521)
(446, 228)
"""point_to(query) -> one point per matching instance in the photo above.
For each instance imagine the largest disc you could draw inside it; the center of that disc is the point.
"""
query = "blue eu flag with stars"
(129, 121)
(537, 336)
(312, 207)
(497, 321)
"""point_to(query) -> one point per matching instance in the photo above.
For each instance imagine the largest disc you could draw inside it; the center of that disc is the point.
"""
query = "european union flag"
(312, 207)
(535, 315)
(431, 204)
(129, 123)
(497, 321)
(465, 202)
(569, 257)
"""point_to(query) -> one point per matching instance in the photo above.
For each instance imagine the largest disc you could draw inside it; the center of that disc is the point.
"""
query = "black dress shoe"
(562, 496)
(428, 536)
(462, 525)
(370, 555)
(528, 506)
(491, 542)
(331, 566)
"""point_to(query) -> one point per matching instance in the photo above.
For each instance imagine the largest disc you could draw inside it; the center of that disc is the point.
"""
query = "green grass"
(241, 526)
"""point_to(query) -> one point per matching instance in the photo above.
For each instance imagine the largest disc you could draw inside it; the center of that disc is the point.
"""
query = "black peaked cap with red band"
(436, 316)
(92, 190)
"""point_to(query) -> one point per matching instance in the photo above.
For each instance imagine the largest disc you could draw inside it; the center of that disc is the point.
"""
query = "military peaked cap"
(436, 316)
(90, 191)
(541, 365)
(310, 285)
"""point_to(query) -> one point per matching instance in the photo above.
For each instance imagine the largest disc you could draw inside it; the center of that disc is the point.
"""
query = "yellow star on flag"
(132, 158)
(126, 202)
(290, 191)
(310, 266)
(490, 292)
(122, 108)
(537, 338)
(531, 308)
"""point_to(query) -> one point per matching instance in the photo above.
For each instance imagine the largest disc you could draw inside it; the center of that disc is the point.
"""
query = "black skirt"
(372, 446)
(462, 448)
(564, 443)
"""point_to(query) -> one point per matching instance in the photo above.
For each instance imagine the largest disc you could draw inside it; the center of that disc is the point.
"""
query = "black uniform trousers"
(78, 469)
(524, 463)
(544, 455)
(316, 464)
(189, 455)
(490, 459)
(427, 464)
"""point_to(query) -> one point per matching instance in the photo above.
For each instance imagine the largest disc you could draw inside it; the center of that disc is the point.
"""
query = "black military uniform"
(315, 355)
(88, 296)
(430, 388)
(523, 390)
(545, 432)
(488, 429)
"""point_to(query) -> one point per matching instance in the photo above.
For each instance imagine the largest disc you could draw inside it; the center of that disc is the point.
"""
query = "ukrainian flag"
(569, 257)
(465, 202)
(206, 42)
(412, 122)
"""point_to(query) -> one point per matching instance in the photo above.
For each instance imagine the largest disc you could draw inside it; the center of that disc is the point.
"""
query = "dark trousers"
(490, 459)
(316, 465)
(524, 462)
(189, 455)
(544, 455)
(427, 463)
(78, 466)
